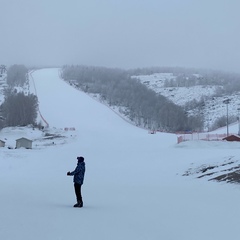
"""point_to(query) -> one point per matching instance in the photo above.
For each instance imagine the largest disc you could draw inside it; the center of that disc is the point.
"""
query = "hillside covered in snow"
(213, 106)
(201, 101)
(199, 94)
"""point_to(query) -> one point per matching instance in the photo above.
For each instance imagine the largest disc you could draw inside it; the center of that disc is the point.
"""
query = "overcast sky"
(121, 33)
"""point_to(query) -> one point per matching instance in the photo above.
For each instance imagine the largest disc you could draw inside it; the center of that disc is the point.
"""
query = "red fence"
(200, 136)
(69, 129)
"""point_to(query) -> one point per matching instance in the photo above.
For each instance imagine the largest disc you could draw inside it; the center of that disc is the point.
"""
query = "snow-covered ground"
(133, 189)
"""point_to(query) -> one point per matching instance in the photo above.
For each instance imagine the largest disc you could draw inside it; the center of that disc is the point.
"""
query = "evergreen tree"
(19, 110)
(17, 75)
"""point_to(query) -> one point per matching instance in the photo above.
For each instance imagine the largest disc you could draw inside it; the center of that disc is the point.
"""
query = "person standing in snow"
(78, 178)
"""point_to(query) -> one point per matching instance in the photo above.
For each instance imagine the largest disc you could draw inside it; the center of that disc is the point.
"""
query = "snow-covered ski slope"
(133, 189)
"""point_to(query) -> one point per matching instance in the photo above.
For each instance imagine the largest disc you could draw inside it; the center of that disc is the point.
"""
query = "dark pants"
(78, 193)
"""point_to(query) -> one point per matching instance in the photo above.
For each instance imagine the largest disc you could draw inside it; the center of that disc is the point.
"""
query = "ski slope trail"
(133, 189)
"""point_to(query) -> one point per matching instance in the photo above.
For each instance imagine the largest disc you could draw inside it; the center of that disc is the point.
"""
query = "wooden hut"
(24, 142)
(232, 138)
(2, 143)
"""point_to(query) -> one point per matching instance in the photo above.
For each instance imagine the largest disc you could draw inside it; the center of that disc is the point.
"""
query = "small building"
(24, 142)
(232, 138)
(2, 143)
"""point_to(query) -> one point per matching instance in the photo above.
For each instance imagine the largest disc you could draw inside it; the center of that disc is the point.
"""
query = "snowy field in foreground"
(134, 188)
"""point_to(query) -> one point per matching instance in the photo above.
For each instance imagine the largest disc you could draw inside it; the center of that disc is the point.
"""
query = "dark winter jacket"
(78, 173)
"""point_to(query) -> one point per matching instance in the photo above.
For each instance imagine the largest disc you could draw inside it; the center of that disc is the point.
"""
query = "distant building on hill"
(24, 142)
(2, 143)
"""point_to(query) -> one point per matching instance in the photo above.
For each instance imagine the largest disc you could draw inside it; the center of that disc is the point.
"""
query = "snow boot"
(79, 204)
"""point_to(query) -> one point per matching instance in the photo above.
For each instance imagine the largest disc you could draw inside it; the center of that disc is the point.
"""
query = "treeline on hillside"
(228, 83)
(18, 109)
(140, 104)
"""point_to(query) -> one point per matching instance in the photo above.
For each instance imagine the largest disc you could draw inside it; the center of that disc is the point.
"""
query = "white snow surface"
(133, 188)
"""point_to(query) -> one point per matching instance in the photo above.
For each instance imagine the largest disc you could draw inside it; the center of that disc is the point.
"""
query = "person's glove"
(68, 173)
